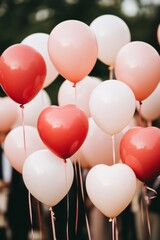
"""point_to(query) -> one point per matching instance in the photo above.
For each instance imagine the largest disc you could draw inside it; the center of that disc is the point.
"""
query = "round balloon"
(20, 143)
(80, 95)
(73, 49)
(150, 107)
(47, 177)
(112, 106)
(39, 41)
(33, 109)
(138, 65)
(22, 72)
(63, 129)
(112, 33)
(139, 149)
(111, 188)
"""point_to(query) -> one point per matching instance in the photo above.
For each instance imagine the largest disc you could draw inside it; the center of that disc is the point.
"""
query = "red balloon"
(22, 72)
(140, 149)
(63, 129)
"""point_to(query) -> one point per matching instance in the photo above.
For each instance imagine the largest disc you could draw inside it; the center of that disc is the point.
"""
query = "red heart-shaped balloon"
(63, 129)
(140, 149)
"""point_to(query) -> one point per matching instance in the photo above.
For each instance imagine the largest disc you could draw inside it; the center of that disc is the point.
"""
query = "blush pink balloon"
(138, 65)
(73, 49)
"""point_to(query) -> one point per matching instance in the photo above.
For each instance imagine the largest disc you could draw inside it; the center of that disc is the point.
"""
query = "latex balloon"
(138, 65)
(79, 95)
(8, 114)
(22, 72)
(139, 149)
(150, 107)
(47, 177)
(39, 41)
(33, 109)
(16, 150)
(63, 129)
(98, 147)
(112, 33)
(73, 49)
(111, 188)
(112, 106)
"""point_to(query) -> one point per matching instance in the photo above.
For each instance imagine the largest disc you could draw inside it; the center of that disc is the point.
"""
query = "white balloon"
(47, 177)
(111, 188)
(33, 109)
(39, 41)
(112, 33)
(20, 143)
(150, 107)
(78, 95)
(112, 106)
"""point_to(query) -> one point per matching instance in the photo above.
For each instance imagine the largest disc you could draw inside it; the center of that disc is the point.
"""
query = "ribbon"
(53, 225)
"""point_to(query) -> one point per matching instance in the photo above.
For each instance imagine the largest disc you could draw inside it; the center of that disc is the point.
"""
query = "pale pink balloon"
(14, 146)
(8, 114)
(111, 188)
(158, 34)
(138, 65)
(79, 95)
(73, 49)
(98, 147)
(47, 177)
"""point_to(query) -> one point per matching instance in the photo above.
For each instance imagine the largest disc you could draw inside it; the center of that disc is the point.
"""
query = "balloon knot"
(22, 106)
(74, 85)
(111, 219)
(65, 161)
(140, 102)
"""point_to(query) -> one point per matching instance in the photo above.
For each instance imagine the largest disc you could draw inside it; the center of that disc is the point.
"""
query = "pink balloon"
(8, 114)
(138, 65)
(73, 49)
(80, 95)
(14, 145)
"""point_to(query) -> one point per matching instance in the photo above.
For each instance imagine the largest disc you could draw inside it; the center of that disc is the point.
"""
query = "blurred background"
(20, 18)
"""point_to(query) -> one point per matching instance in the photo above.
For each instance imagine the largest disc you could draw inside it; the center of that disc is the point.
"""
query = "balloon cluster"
(94, 123)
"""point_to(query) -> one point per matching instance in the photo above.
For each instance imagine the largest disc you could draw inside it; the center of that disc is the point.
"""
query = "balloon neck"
(111, 219)
(74, 85)
(65, 161)
(22, 106)
(140, 103)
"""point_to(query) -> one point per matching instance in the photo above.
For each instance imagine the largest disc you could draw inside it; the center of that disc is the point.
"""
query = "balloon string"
(114, 228)
(147, 201)
(30, 213)
(149, 123)
(39, 219)
(113, 149)
(82, 192)
(76, 100)
(53, 225)
(77, 202)
(67, 233)
(111, 71)
(140, 114)
(24, 135)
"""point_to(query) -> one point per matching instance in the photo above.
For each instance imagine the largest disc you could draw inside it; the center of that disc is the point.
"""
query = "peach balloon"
(138, 65)
(73, 49)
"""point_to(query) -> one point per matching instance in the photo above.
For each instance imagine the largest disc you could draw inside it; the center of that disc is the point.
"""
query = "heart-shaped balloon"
(47, 177)
(63, 129)
(140, 149)
(111, 188)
